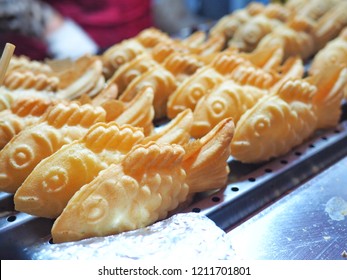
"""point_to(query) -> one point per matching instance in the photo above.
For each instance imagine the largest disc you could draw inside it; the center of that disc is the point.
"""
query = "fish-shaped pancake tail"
(206, 158)
(331, 84)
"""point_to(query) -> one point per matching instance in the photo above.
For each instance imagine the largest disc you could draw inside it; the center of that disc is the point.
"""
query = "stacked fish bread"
(67, 147)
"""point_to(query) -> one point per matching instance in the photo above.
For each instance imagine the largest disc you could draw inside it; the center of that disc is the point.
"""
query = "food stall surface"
(310, 223)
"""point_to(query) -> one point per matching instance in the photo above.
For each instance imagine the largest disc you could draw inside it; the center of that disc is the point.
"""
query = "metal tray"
(250, 188)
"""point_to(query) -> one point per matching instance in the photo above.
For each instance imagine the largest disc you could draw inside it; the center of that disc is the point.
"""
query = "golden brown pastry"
(277, 11)
(267, 59)
(276, 123)
(245, 74)
(60, 125)
(119, 54)
(149, 182)
(191, 90)
(142, 188)
(195, 39)
(24, 112)
(162, 82)
(295, 37)
(48, 188)
(83, 77)
(229, 24)
(29, 79)
(177, 131)
(330, 25)
(182, 66)
(25, 63)
(150, 37)
(313, 9)
(247, 37)
(334, 53)
(331, 83)
(131, 70)
(138, 112)
(6, 98)
(227, 99)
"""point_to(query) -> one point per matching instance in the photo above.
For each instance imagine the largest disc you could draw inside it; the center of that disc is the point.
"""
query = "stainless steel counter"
(309, 223)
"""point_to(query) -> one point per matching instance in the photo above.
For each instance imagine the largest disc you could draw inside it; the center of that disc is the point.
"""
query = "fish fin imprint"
(112, 137)
(206, 158)
(182, 66)
(23, 113)
(73, 114)
(254, 76)
(227, 61)
(149, 182)
(26, 79)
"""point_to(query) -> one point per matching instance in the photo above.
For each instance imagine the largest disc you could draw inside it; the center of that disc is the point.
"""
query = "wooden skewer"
(5, 60)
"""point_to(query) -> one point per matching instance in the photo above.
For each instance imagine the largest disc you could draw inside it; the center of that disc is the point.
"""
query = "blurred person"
(70, 28)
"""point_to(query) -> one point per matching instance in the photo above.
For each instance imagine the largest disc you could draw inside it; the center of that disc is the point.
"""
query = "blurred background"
(70, 28)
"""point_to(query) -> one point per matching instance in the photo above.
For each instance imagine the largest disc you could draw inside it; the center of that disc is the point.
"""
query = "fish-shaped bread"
(313, 9)
(230, 23)
(48, 188)
(333, 53)
(202, 81)
(330, 25)
(234, 97)
(295, 38)
(276, 123)
(128, 49)
(24, 112)
(148, 183)
(162, 82)
(60, 125)
(229, 65)
(247, 37)
(331, 83)
(227, 99)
